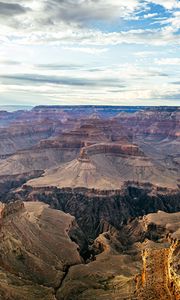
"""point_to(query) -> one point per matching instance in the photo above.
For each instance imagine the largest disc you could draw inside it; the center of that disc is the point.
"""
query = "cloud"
(172, 24)
(168, 61)
(85, 37)
(97, 50)
(176, 82)
(145, 53)
(81, 22)
(23, 79)
(167, 4)
(11, 9)
(172, 96)
(83, 12)
(9, 62)
(148, 16)
(88, 50)
(69, 13)
(58, 66)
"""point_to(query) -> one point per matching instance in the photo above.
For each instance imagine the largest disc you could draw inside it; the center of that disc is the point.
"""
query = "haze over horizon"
(102, 52)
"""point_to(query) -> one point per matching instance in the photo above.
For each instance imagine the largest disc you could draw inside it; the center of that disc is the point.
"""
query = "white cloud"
(148, 16)
(168, 4)
(113, 84)
(145, 54)
(88, 50)
(168, 61)
(84, 37)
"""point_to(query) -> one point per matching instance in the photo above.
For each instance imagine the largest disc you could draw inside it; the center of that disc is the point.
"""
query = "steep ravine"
(94, 208)
(119, 271)
(111, 261)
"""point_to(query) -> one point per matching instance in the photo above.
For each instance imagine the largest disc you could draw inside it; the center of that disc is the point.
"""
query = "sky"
(99, 52)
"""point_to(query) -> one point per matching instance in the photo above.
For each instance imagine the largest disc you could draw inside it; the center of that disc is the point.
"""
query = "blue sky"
(89, 52)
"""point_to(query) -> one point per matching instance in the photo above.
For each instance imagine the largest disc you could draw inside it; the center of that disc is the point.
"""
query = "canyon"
(90, 194)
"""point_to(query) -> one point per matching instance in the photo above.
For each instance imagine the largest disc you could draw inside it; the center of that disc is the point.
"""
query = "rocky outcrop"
(59, 144)
(10, 209)
(114, 272)
(34, 239)
(116, 149)
(158, 279)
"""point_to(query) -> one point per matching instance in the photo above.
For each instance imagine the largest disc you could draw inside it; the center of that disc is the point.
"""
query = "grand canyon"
(90, 203)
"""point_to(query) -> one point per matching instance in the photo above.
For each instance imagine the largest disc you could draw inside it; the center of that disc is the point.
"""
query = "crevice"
(66, 271)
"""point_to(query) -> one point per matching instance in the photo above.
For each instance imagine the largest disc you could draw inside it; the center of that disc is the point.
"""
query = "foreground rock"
(35, 250)
(38, 260)
(130, 265)
(160, 278)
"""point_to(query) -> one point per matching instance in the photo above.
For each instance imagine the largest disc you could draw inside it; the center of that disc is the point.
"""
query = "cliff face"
(128, 265)
(158, 279)
(115, 148)
(174, 270)
(114, 207)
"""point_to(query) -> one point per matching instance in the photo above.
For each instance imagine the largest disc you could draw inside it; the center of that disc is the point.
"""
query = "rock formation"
(34, 239)
(111, 177)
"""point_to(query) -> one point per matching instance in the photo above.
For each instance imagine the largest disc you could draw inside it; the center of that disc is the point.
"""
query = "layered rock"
(108, 166)
(22, 136)
(156, 122)
(53, 136)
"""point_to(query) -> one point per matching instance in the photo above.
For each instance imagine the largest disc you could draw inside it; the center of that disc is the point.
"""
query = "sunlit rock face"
(129, 265)
(140, 261)
(111, 178)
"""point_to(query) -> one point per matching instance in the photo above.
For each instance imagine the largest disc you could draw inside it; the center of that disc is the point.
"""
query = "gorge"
(90, 194)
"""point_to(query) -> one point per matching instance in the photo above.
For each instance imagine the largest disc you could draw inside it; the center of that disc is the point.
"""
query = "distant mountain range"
(14, 107)
(101, 109)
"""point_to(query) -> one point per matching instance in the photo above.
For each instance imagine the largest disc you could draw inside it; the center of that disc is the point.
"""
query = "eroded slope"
(35, 250)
